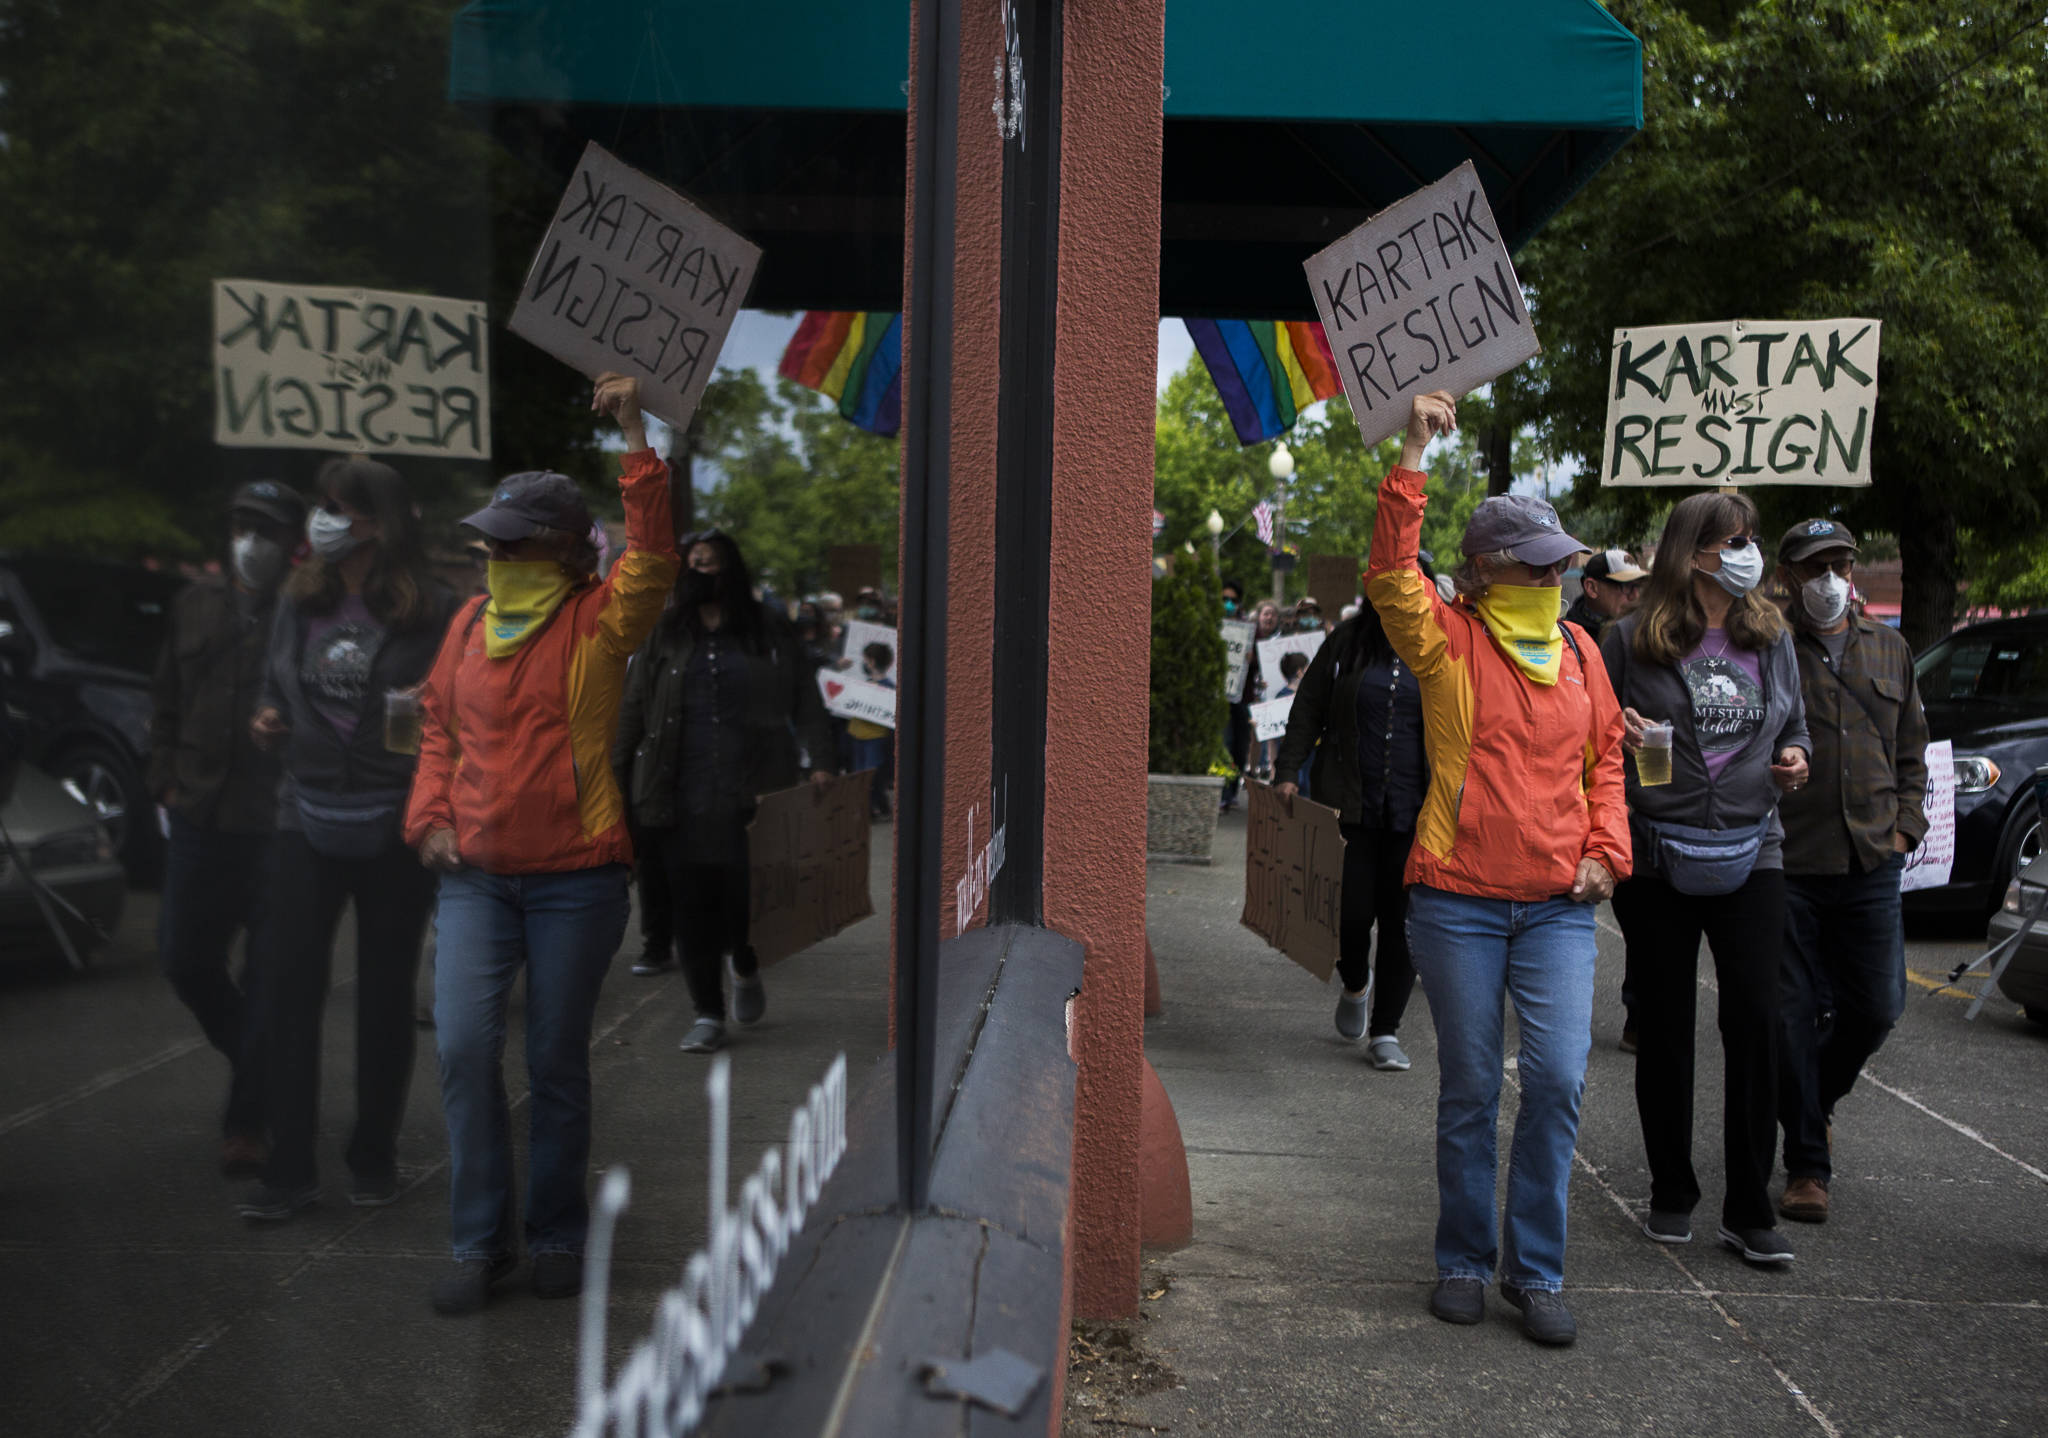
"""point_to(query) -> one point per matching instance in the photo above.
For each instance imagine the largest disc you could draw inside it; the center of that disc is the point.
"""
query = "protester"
(873, 742)
(1358, 715)
(1259, 685)
(1847, 834)
(1237, 737)
(1308, 616)
(1609, 588)
(1709, 656)
(355, 625)
(218, 790)
(656, 907)
(1521, 833)
(516, 812)
(722, 708)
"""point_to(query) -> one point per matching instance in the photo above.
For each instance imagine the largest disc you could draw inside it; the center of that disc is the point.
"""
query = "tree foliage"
(1188, 661)
(1809, 159)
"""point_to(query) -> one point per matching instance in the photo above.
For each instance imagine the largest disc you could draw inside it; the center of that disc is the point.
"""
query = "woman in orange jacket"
(515, 806)
(1522, 832)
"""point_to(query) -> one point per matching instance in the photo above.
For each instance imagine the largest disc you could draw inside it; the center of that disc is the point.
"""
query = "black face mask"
(699, 587)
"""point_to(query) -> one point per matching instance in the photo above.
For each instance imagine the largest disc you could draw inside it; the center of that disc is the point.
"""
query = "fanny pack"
(1706, 862)
(350, 826)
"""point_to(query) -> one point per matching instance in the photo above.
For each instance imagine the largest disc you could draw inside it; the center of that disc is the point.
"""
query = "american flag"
(1262, 516)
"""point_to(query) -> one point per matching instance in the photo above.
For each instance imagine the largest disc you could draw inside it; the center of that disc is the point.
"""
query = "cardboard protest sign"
(1237, 652)
(851, 698)
(807, 861)
(1294, 878)
(850, 568)
(1269, 720)
(323, 367)
(1931, 864)
(1742, 402)
(1272, 651)
(633, 278)
(1422, 296)
(1334, 579)
(859, 635)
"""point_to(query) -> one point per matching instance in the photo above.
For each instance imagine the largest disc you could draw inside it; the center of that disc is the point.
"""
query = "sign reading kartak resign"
(1421, 297)
(632, 278)
(1742, 402)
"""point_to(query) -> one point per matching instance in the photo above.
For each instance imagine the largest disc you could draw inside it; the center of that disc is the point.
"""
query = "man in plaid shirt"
(1847, 833)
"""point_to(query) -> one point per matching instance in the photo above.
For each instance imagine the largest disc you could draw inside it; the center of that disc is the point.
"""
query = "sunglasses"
(1734, 543)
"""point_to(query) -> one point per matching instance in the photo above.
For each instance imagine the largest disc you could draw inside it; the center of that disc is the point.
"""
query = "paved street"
(1300, 1306)
(137, 1303)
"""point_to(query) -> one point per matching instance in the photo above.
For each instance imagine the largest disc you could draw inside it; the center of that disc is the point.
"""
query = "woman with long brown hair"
(361, 618)
(1705, 654)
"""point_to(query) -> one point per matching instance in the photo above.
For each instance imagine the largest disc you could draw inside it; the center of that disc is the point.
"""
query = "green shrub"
(1188, 708)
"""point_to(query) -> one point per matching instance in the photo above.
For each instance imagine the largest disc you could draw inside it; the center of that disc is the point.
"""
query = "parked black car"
(54, 839)
(80, 640)
(1985, 688)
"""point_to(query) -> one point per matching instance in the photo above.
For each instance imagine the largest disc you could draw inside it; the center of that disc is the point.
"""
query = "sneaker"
(271, 1203)
(1459, 1300)
(1668, 1227)
(466, 1286)
(1762, 1246)
(1628, 1040)
(243, 1156)
(706, 1036)
(1805, 1200)
(1384, 1053)
(557, 1274)
(749, 998)
(1351, 1012)
(373, 1192)
(1544, 1316)
(651, 964)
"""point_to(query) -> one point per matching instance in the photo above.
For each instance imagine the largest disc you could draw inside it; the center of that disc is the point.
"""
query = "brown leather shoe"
(242, 1156)
(1806, 1200)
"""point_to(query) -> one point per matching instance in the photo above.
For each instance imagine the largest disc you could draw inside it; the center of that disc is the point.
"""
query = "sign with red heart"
(833, 688)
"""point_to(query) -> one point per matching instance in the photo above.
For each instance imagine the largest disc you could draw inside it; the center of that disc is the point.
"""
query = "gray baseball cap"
(1524, 526)
(524, 504)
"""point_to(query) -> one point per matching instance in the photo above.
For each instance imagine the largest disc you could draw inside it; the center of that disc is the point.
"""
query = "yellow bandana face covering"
(1524, 619)
(524, 592)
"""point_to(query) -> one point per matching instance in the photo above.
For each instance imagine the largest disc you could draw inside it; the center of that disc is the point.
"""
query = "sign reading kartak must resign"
(324, 367)
(632, 278)
(1742, 402)
(1421, 297)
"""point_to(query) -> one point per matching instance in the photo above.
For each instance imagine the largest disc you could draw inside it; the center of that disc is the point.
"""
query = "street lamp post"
(1280, 464)
(1214, 525)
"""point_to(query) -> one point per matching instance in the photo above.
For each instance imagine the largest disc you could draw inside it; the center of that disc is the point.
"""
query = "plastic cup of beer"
(402, 721)
(1653, 760)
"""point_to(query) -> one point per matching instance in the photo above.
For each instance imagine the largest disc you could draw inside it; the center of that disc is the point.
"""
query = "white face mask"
(1825, 599)
(1741, 569)
(258, 561)
(331, 535)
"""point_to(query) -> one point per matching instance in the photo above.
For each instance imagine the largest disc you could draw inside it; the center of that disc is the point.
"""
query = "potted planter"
(1185, 786)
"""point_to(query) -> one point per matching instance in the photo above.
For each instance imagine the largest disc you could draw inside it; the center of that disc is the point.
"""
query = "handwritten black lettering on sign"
(633, 278)
(1294, 878)
(807, 857)
(1742, 402)
(1421, 297)
(321, 367)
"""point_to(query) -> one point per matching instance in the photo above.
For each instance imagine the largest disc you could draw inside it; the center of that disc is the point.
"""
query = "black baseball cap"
(524, 504)
(273, 501)
(1810, 536)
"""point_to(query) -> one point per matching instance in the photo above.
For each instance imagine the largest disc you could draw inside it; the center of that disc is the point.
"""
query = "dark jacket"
(783, 711)
(1583, 614)
(1383, 785)
(1869, 754)
(1744, 793)
(208, 677)
(315, 755)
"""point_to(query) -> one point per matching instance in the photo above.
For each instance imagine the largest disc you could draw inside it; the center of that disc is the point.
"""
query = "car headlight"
(2021, 896)
(1975, 773)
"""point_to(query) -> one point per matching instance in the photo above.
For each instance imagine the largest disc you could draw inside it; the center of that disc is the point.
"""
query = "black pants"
(713, 907)
(1746, 931)
(657, 905)
(214, 886)
(394, 894)
(1374, 894)
(1237, 739)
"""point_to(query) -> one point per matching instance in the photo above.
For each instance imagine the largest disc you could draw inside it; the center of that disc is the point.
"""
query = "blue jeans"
(1842, 986)
(1471, 953)
(565, 929)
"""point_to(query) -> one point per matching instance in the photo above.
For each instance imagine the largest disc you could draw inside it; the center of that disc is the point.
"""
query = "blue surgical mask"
(331, 535)
(1741, 569)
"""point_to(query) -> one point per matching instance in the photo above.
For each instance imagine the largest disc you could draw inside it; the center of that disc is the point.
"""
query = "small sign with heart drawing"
(851, 698)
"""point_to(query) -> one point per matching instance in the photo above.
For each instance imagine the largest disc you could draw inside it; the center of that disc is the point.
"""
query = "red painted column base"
(1166, 1201)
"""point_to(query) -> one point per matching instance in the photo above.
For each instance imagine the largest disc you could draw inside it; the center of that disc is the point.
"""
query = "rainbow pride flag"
(854, 357)
(1267, 371)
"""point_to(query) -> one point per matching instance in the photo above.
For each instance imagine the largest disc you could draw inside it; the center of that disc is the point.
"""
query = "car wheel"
(2018, 847)
(110, 787)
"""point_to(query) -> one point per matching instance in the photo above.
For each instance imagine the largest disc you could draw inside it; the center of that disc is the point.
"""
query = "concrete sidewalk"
(1300, 1306)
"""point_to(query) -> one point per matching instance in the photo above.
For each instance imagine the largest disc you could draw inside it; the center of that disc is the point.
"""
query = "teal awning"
(1287, 122)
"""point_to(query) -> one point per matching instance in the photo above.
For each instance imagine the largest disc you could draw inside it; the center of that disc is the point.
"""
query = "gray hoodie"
(1744, 793)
